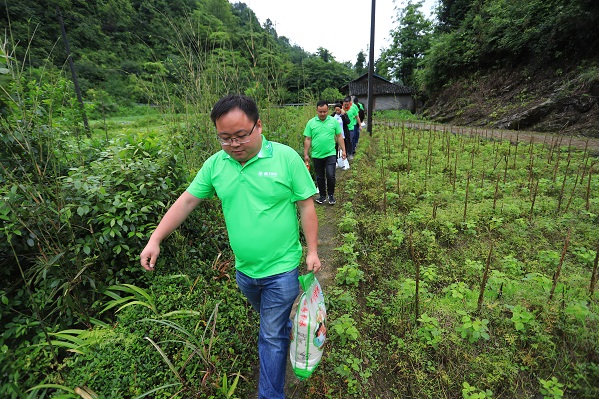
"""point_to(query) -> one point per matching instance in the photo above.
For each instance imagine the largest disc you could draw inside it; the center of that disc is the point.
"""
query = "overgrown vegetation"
(467, 268)
(470, 36)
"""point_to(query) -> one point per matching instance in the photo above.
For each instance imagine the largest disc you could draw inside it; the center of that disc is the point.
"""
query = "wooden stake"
(483, 283)
(466, 199)
(559, 267)
(594, 274)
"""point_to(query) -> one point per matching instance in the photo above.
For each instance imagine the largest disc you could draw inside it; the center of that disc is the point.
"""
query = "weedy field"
(467, 267)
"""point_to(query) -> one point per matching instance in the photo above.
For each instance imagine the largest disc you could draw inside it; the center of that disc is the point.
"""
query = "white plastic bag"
(309, 328)
(342, 163)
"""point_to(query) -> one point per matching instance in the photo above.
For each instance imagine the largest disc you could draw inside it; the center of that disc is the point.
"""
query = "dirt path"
(592, 144)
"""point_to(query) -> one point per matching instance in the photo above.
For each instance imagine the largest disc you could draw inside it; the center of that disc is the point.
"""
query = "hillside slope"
(553, 99)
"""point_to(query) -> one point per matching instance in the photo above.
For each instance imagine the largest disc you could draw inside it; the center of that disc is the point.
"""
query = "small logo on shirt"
(268, 174)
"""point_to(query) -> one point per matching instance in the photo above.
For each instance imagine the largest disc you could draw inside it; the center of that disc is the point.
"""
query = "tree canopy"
(123, 47)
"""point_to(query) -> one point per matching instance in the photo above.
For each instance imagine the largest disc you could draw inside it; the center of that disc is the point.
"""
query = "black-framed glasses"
(243, 139)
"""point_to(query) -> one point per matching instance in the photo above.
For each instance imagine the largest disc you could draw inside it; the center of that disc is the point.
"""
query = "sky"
(344, 30)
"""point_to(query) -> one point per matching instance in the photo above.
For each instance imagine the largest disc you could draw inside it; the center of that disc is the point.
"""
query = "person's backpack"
(361, 112)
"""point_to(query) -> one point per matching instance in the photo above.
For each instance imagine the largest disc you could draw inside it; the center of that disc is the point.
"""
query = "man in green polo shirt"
(321, 134)
(260, 183)
(354, 126)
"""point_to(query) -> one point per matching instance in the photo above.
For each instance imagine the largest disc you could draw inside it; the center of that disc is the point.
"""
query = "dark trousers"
(324, 169)
(347, 143)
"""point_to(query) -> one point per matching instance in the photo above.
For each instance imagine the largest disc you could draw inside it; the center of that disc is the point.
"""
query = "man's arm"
(309, 222)
(307, 144)
(171, 220)
(341, 144)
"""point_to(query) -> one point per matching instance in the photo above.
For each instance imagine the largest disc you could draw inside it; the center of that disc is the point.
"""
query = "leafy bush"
(192, 340)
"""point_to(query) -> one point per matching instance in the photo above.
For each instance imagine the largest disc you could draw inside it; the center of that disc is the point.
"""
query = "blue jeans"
(354, 138)
(273, 298)
(324, 169)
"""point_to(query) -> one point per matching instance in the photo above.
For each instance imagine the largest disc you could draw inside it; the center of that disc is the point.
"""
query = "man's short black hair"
(338, 105)
(347, 99)
(235, 101)
(321, 103)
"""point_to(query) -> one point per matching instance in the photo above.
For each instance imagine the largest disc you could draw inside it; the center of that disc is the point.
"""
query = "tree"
(411, 39)
(361, 67)
(331, 94)
(453, 12)
(315, 75)
(324, 54)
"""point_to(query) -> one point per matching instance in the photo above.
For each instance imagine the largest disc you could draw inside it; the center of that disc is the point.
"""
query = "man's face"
(237, 126)
(337, 110)
(322, 112)
(346, 105)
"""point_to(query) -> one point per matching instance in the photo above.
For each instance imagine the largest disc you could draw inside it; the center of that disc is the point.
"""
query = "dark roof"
(359, 86)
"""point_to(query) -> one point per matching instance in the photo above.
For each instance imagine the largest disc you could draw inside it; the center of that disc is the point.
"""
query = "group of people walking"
(262, 185)
(328, 137)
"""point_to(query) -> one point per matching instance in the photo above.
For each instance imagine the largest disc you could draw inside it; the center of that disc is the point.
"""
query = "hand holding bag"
(342, 163)
(309, 328)
(339, 160)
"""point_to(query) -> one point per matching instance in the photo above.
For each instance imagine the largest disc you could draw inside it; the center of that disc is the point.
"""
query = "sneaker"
(332, 200)
(320, 200)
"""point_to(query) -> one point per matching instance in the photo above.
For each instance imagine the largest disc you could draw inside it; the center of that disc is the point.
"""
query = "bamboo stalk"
(573, 191)
(594, 274)
(559, 266)
(466, 197)
(455, 170)
(496, 192)
(588, 199)
(561, 192)
(516, 149)
(555, 168)
(384, 179)
(532, 203)
(417, 264)
(531, 162)
(448, 150)
(483, 283)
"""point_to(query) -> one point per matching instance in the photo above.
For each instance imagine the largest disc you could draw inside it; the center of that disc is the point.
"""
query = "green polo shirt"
(323, 136)
(352, 112)
(258, 201)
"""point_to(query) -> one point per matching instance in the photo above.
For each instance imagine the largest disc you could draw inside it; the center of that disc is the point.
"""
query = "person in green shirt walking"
(354, 127)
(261, 185)
(320, 134)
